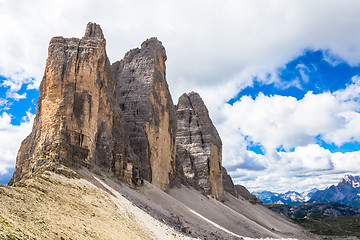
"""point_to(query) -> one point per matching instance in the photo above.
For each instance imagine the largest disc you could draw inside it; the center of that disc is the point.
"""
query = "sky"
(281, 79)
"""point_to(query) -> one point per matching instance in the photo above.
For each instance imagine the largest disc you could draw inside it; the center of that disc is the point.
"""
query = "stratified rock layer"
(199, 146)
(78, 121)
(144, 97)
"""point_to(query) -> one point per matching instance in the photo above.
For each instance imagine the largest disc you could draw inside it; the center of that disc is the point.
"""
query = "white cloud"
(346, 161)
(310, 157)
(303, 72)
(3, 104)
(305, 168)
(10, 139)
(294, 126)
(209, 43)
(280, 121)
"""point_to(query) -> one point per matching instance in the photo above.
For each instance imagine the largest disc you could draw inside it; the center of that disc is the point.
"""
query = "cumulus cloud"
(209, 43)
(10, 139)
(288, 129)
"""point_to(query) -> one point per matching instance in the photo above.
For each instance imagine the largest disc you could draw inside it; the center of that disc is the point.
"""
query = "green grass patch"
(331, 226)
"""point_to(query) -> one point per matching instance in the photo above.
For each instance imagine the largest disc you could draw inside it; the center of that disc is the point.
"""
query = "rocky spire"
(78, 121)
(145, 99)
(93, 30)
(199, 147)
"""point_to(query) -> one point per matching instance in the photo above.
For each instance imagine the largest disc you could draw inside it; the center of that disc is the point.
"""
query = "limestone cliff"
(199, 146)
(78, 121)
(145, 99)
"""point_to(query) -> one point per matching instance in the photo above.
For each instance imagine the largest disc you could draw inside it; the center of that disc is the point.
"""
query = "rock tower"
(120, 117)
(145, 100)
(78, 120)
(199, 147)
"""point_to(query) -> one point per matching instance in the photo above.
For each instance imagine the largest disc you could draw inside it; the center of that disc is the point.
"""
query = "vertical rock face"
(198, 146)
(145, 99)
(228, 183)
(78, 121)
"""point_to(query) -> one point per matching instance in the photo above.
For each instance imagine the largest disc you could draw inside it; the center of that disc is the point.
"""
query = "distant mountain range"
(288, 198)
(309, 209)
(347, 192)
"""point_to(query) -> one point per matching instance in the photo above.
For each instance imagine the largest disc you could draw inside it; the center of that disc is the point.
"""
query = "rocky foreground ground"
(60, 203)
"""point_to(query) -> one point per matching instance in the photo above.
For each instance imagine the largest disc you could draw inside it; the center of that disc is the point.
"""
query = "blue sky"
(314, 71)
(280, 78)
(24, 101)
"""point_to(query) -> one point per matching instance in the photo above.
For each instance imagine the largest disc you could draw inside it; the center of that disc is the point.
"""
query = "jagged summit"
(155, 45)
(353, 181)
(94, 30)
(144, 97)
(78, 121)
(193, 101)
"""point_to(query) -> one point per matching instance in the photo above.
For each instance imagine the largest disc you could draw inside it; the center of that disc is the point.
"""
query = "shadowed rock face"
(228, 183)
(145, 99)
(78, 121)
(245, 194)
(198, 146)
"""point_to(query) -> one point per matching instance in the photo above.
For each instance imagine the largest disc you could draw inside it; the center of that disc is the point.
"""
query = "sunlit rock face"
(78, 120)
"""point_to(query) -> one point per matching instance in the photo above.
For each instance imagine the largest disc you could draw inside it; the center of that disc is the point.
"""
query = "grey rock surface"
(144, 97)
(228, 183)
(199, 146)
(245, 194)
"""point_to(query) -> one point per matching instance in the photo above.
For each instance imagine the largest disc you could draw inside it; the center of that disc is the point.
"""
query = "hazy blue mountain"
(347, 191)
(289, 198)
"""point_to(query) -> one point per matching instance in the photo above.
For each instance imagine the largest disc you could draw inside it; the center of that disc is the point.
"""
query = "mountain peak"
(93, 30)
(350, 180)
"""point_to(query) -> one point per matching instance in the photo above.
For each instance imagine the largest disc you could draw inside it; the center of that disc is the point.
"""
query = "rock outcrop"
(78, 120)
(228, 183)
(199, 147)
(245, 194)
(144, 97)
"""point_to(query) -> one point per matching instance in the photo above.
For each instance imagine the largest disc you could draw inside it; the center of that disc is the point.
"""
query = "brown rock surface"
(78, 121)
(145, 99)
(199, 146)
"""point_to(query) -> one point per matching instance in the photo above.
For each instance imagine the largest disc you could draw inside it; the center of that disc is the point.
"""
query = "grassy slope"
(313, 218)
(332, 226)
